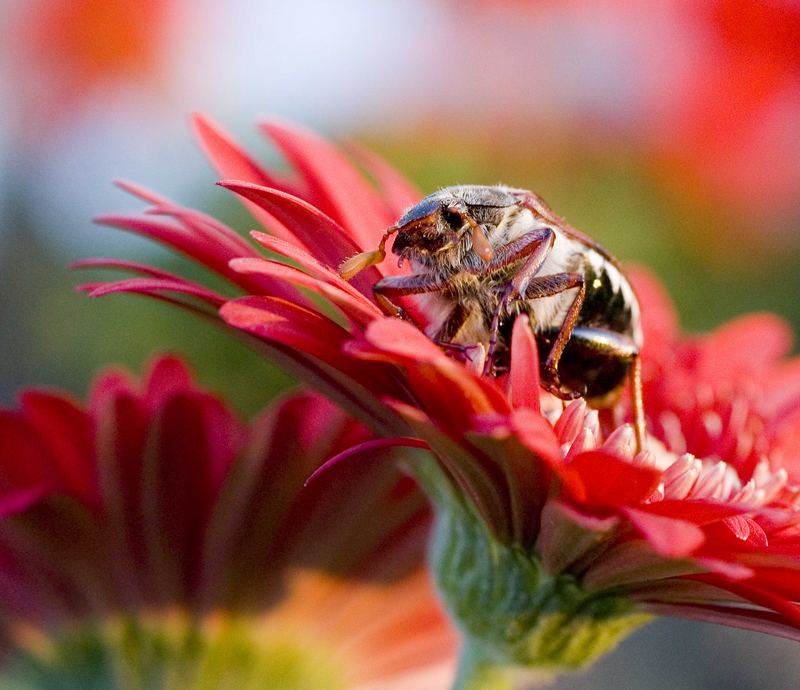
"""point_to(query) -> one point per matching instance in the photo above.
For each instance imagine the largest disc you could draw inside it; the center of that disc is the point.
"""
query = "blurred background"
(670, 131)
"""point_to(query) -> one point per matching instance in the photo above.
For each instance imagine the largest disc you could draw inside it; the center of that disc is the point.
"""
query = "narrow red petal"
(146, 286)
(227, 156)
(358, 309)
(334, 184)
(315, 231)
(745, 619)
(124, 265)
(524, 375)
(289, 324)
(788, 610)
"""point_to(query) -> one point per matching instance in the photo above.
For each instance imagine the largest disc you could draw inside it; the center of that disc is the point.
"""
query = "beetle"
(482, 255)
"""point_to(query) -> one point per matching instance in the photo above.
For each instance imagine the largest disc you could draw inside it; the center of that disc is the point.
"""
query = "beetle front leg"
(400, 286)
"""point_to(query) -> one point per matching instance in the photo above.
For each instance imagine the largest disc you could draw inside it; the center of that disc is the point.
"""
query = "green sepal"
(516, 619)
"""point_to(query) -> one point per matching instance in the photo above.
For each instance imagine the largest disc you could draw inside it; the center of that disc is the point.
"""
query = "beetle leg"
(635, 375)
(534, 247)
(399, 286)
(547, 286)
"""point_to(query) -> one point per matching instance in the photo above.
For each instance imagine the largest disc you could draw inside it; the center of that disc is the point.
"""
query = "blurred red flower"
(610, 532)
(151, 518)
(63, 50)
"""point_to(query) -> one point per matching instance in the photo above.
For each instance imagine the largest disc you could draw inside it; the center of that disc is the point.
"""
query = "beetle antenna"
(356, 264)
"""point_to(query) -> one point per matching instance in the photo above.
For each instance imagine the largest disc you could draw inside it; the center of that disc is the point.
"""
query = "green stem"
(477, 671)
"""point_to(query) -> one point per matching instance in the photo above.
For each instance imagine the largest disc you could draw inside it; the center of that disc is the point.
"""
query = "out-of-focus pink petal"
(25, 463)
(18, 501)
(165, 377)
(747, 343)
(64, 429)
(659, 319)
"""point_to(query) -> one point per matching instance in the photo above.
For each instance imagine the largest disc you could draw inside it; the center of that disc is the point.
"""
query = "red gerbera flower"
(149, 535)
(554, 537)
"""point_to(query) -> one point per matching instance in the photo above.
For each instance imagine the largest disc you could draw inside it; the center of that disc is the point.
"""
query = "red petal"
(334, 184)
(196, 222)
(231, 161)
(518, 449)
(748, 530)
(123, 265)
(63, 428)
(358, 309)
(166, 376)
(148, 286)
(601, 479)
(669, 537)
(276, 319)
(323, 237)
(699, 512)
(537, 435)
(747, 343)
(745, 619)
(567, 534)
(659, 319)
(366, 450)
(206, 253)
(227, 156)
(788, 610)
(403, 340)
(305, 260)
(398, 193)
(524, 366)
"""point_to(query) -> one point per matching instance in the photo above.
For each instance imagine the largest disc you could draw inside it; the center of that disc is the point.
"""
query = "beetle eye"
(453, 218)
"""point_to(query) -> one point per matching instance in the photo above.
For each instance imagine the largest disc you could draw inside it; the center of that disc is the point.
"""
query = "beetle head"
(446, 224)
